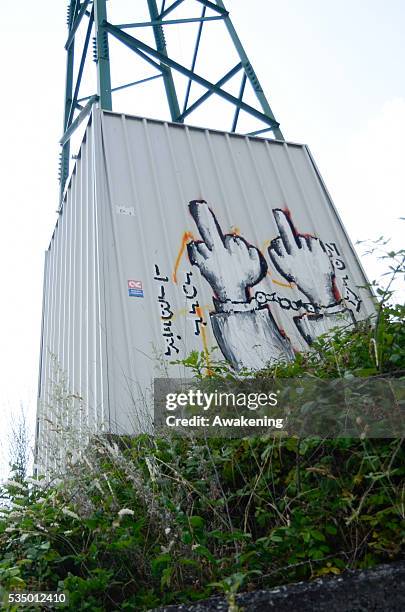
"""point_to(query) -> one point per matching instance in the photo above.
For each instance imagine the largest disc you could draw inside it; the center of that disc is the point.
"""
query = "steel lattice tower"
(89, 20)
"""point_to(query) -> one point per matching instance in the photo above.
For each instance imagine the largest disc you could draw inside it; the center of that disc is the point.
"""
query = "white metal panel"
(258, 266)
(72, 373)
(157, 169)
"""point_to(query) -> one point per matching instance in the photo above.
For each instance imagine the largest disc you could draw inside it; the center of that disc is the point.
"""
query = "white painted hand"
(227, 262)
(302, 260)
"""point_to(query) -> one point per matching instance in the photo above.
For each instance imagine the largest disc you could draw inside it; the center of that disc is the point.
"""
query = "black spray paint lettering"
(166, 315)
(158, 277)
(349, 295)
(190, 291)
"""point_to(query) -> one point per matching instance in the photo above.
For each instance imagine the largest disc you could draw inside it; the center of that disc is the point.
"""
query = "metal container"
(174, 239)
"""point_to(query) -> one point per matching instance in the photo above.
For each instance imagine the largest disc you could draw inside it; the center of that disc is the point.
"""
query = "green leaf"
(204, 552)
(317, 535)
(160, 563)
(197, 522)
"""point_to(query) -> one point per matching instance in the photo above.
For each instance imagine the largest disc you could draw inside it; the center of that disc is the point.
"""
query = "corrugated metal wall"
(73, 357)
(136, 276)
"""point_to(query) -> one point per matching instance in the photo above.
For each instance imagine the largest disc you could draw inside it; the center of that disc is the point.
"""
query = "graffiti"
(284, 303)
(199, 321)
(311, 326)
(186, 237)
(247, 335)
(228, 262)
(313, 290)
(190, 292)
(332, 251)
(158, 277)
(302, 258)
(188, 286)
(349, 295)
(242, 322)
(166, 315)
(311, 265)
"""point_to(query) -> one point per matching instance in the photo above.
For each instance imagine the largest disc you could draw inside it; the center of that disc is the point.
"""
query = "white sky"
(332, 71)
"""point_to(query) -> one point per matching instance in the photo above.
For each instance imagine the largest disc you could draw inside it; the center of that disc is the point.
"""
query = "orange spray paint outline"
(186, 237)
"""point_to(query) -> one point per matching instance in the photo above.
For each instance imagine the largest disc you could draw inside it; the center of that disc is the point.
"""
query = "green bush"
(141, 522)
(144, 522)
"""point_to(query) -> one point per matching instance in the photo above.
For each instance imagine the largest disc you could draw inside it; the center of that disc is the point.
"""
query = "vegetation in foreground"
(143, 522)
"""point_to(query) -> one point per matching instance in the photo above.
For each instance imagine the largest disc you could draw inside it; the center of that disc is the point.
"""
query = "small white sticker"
(125, 210)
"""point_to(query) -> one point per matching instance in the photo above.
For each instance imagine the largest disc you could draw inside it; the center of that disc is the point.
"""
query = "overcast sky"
(332, 70)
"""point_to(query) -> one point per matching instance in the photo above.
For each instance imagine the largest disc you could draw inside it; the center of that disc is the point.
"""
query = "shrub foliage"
(146, 521)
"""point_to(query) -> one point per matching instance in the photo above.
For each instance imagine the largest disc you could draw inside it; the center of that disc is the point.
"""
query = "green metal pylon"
(158, 56)
(103, 56)
(166, 72)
